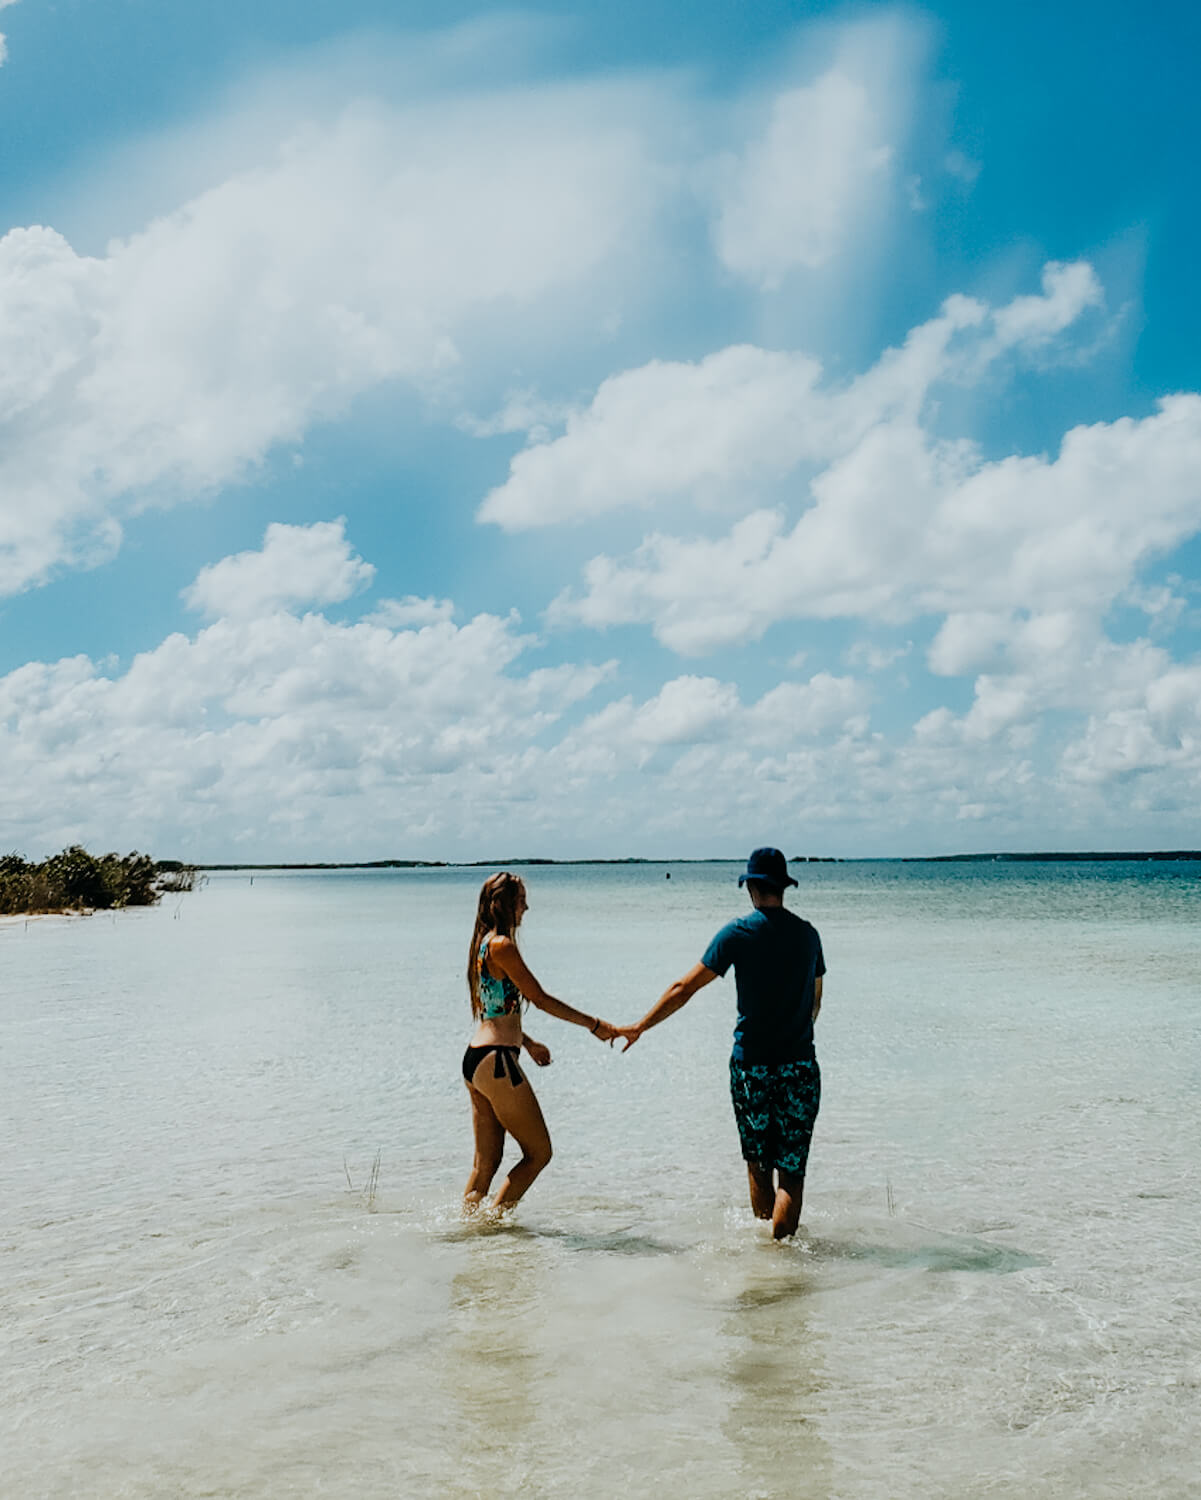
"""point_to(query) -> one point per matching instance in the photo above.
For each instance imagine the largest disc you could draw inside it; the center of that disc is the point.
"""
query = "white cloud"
(1127, 707)
(897, 524)
(281, 732)
(669, 430)
(876, 658)
(811, 183)
(4, 4)
(1163, 606)
(358, 251)
(905, 527)
(792, 198)
(1144, 734)
(962, 166)
(522, 411)
(340, 227)
(727, 431)
(400, 614)
(284, 735)
(1068, 290)
(686, 711)
(696, 745)
(968, 640)
(847, 505)
(296, 565)
(800, 710)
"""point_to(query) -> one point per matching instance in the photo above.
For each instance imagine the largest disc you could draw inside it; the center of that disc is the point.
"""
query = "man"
(774, 1077)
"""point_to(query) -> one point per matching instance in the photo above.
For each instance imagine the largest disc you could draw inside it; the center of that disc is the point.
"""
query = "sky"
(598, 430)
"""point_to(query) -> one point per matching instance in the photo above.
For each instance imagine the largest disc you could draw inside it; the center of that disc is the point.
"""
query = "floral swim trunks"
(776, 1107)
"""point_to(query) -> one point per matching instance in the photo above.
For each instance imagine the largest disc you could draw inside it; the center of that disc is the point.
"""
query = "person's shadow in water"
(775, 1379)
(493, 1364)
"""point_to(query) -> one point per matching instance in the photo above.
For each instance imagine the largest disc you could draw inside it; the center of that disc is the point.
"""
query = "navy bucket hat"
(768, 866)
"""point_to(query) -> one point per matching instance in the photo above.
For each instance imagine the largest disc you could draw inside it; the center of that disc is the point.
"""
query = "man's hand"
(539, 1052)
(603, 1032)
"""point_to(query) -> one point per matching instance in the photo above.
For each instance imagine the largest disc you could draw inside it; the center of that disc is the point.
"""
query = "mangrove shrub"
(77, 881)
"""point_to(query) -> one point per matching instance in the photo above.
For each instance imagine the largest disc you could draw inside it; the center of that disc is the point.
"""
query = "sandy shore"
(19, 919)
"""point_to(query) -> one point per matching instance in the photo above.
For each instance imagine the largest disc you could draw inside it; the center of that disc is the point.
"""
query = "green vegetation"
(78, 881)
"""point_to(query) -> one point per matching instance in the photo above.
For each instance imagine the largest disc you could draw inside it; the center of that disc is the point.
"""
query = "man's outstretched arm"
(671, 1000)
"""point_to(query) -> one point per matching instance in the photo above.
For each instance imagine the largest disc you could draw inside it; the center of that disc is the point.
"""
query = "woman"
(502, 1099)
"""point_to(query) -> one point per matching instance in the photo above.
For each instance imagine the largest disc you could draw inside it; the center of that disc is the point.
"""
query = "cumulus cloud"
(789, 201)
(905, 526)
(1158, 730)
(874, 658)
(3, 42)
(359, 251)
(398, 614)
(415, 236)
(846, 504)
(667, 430)
(296, 565)
(281, 732)
(1067, 291)
(897, 524)
(814, 176)
(804, 765)
(724, 432)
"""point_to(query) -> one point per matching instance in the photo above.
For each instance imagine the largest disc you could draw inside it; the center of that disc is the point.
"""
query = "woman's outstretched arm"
(504, 954)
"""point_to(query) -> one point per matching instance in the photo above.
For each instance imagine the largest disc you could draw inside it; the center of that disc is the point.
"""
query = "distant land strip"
(1049, 858)
(462, 864)
(797, 859)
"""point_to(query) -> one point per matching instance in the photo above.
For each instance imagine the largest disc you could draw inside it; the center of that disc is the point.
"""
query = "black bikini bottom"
(506, 1063)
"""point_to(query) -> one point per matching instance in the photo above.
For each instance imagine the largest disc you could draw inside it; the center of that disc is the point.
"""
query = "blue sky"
(598, 429)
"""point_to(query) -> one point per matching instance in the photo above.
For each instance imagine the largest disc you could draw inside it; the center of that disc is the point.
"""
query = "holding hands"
(604, 1032)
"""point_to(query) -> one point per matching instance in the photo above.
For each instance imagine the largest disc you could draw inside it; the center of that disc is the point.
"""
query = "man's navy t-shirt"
(776, 956)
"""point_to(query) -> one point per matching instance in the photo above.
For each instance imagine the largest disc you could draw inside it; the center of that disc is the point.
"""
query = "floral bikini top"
(498, 997)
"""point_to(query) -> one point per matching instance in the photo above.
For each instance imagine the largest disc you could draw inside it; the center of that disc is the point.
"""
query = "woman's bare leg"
(489, 1148)
(518, 1112)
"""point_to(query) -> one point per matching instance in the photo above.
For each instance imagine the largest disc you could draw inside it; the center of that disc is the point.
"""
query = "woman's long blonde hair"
(498, 911)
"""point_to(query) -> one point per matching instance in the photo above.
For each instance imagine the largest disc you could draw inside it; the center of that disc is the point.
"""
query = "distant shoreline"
(1068, 857)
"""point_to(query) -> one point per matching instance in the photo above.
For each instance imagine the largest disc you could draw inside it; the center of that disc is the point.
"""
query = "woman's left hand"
(539, 1052)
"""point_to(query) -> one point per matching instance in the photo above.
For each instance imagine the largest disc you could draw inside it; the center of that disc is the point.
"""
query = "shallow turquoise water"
(996, 1292)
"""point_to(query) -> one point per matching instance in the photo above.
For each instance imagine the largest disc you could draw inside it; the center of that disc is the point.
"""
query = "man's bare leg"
(763, 1190)
(786, 1210)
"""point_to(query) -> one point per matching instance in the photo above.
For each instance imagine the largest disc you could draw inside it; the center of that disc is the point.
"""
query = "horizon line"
(998, 856)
